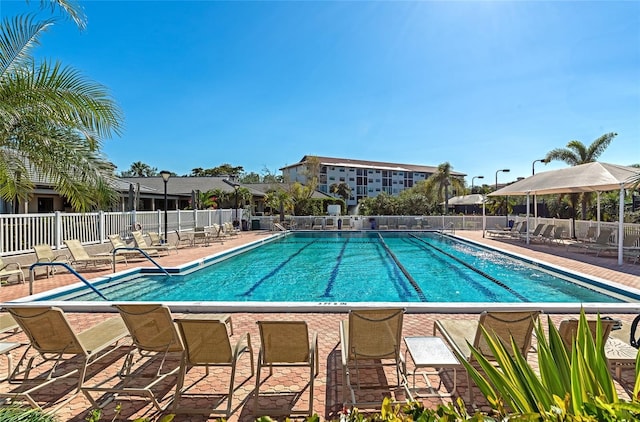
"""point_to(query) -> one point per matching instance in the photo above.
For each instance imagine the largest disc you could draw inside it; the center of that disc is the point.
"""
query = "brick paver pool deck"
(328, 384)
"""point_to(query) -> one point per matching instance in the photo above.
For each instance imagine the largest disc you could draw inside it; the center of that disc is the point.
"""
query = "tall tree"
(440, 182)
(341, 189)
(140, 169)
(52, 120)
(577, 153)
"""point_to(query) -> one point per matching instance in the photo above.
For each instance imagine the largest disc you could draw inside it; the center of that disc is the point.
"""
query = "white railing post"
(101, 228)
(58, 230)
(159, 219)
(179, 220)
(195, 217)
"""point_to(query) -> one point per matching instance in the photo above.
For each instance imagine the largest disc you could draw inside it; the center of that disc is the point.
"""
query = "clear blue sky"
(482, 85)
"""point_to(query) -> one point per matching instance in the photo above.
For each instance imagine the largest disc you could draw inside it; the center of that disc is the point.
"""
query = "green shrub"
(569, 387)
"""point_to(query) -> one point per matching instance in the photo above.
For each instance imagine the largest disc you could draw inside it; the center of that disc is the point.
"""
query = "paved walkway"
(328, 388)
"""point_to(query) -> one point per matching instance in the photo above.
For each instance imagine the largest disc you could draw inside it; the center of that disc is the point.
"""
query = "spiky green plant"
(569, 386)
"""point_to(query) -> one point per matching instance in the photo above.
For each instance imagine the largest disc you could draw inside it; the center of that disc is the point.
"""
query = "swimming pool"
(357, 267)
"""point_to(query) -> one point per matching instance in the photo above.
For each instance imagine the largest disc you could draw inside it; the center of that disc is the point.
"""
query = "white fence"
(20, 232)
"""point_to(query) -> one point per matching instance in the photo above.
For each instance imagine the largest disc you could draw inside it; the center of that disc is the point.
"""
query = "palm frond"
(71, 8)
(17, 38)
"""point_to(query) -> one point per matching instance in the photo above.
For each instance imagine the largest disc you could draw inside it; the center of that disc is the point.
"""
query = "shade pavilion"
(591, 177)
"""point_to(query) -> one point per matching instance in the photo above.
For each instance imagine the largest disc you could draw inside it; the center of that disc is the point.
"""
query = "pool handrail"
(128, 248)
(60, 264)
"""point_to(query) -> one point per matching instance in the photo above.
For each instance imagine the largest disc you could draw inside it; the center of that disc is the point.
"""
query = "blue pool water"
(358, 267)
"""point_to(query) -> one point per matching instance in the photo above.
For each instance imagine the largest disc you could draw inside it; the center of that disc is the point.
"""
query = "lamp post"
(533, 165)
(474, 178)
(236, 223)
(506, 209)
(535, 200)
(165, 178)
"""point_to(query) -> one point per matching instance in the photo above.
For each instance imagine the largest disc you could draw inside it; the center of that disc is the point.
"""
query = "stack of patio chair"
(9, 270)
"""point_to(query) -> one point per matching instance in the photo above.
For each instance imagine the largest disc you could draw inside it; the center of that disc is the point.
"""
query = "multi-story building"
(365, 178)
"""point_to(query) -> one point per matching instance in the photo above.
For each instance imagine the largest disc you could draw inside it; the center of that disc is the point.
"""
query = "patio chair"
(117, 242)
(318, 223)
(9, 270)
(505, 326)
(346, 223)
(558, 235)
(286, 344)
(183, 238)
(330, 223)
(141, 243)
(79, 255)
(370, 341)
(500, 231)
(61, 352)
(600, 241)
(590, 235)
(8, 323)
(217, 232)
(45, 254)
(155, 341)
(520, 231)
(536, 232)
(619, 352)
(207, 344)
(156, 241)
(628, 243)
(546, 235)
(230, 230)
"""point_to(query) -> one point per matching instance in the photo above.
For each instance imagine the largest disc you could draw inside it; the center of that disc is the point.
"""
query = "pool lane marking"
(276, 269)
(433, 254)
(334, 271)
(472, 268)
(406, 273)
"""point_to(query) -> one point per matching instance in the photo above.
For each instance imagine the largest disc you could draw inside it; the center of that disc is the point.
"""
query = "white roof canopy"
(474, 199)
(590, 177)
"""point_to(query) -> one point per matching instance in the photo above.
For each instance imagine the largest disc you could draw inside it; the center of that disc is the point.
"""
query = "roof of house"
(266, 187)
(347, 162)
(179, 185)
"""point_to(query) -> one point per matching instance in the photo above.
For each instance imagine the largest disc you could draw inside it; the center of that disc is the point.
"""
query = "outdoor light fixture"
(165, 178)
(506, 208)
(533, 165)
(474, 178)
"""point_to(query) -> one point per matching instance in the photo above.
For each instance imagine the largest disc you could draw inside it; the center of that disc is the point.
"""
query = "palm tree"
(440, 182)
(341, 189)
(140, 169)
(52, 120)
(577, 153)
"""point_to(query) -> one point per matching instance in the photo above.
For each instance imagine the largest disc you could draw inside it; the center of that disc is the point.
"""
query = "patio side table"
(431, 352)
